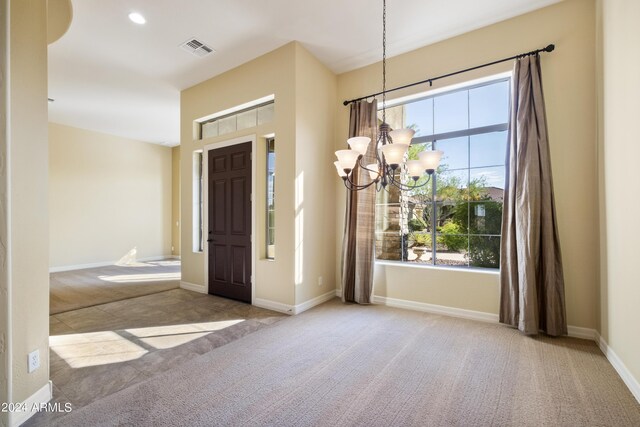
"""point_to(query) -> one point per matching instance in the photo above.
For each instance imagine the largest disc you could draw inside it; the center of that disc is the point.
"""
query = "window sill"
(491, 271)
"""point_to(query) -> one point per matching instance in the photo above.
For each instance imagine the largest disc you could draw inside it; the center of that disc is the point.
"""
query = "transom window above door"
(244, 119)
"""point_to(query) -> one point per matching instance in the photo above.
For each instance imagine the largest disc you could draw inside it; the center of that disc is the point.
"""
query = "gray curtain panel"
(531, 279)
(358, 247)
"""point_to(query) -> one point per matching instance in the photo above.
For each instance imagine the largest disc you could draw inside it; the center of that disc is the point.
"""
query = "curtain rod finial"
(550, 48)
(345, 103)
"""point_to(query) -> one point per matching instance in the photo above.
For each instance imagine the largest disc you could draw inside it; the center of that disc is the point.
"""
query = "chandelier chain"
(384, 61)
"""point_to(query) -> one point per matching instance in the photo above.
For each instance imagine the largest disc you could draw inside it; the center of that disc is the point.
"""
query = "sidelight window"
(271, 200)
(198, 203)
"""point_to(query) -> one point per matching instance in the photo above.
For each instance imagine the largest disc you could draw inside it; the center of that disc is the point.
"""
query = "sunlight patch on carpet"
(102, 348)
(95, 348)
(163, 337)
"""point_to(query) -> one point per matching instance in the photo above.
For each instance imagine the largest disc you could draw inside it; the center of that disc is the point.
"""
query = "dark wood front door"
(229, 234)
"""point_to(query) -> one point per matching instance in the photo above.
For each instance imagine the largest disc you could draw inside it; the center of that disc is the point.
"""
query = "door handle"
(209, 240)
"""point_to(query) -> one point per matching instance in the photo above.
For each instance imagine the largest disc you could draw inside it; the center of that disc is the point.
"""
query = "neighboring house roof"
(495, 193)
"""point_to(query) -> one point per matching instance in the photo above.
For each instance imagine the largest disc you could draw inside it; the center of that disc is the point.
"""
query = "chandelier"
(391, 152)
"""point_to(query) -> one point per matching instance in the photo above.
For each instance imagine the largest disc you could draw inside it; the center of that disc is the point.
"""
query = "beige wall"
(569, 84)
(175, 201)
(24, 297)
(29, 195)
(108, 196)
(315, 198)
(4, 223)
(620, 208)
(273, 73)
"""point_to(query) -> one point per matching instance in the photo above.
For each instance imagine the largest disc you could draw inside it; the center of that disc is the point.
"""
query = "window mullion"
(434, 220)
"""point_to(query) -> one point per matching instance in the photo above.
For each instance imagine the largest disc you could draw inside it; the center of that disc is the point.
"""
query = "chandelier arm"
(380, 160)
(350, 185)
(405, 187)
(367, 169)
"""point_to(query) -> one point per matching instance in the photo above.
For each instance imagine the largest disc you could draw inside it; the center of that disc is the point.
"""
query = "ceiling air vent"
(196, 47)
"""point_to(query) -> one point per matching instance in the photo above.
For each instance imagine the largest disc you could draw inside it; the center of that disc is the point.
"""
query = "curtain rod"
(549, 48)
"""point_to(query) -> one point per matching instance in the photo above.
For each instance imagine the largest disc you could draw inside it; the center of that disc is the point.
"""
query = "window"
(239, 120)
(271, 201)
(456, 219)
(198, 203)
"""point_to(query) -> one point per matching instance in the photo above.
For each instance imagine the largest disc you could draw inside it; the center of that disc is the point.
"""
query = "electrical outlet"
(320, 280)
(33, 361)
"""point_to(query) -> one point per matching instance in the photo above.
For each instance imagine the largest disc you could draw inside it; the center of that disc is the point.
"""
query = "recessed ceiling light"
(137, 18)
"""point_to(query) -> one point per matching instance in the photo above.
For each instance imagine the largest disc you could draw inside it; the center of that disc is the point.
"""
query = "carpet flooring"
(349, 365)
(71, 290)
(100, 350)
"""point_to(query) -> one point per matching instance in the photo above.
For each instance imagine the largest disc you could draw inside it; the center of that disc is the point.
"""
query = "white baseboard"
(193, 287)
(106, 263)
(273, 305)
(584, 333)
(339, 292)
(79, 266)
(299, 308)
(436, 309)
(573, 331)
(43, 395)
(622, 370)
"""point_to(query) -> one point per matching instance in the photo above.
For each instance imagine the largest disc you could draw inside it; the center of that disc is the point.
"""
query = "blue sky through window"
(466, 109)
(419, 115)
(489, 105)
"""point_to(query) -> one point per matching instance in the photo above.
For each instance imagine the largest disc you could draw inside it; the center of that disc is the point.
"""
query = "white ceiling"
(110, 75)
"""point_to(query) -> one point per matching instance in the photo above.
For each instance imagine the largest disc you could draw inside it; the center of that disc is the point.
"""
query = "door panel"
(238, 260)
(229, 210)
(219, 263)
(219, 214)
(238, 200)
(219, 164)
(238, 161)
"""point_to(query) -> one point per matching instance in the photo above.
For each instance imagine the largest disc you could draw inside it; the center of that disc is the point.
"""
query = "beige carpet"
(71, 290)
(375, 366)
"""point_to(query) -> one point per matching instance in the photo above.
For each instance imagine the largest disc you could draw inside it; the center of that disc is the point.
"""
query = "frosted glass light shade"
(430, 159)
(340, 170)
(347, 159)
(402, 136)
(394, 153)
(373, 170)
(359, 144)
(415, 168)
